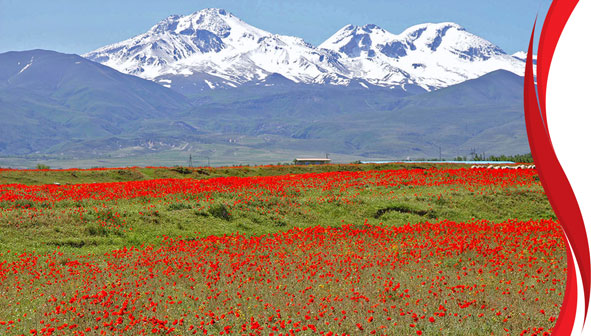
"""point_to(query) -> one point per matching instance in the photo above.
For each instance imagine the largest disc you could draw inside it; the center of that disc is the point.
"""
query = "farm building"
(311, 161)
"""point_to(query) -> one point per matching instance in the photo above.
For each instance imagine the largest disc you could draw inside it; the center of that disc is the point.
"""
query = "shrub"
(182, 170)
(220, 211)
(178, 206)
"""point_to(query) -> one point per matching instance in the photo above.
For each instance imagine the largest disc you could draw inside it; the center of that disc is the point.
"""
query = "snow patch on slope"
(26, 66)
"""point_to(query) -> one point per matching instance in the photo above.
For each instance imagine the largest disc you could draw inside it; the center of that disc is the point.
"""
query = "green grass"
(90, 226)
(31, 177)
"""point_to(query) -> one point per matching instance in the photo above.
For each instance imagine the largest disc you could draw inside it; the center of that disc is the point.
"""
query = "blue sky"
(84, 25)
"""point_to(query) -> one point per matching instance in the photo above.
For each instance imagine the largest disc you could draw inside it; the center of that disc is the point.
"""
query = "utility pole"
(440, 158)
(208, 161)
(190, 161)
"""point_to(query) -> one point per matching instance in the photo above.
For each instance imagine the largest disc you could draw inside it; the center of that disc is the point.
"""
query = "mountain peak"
(209, 15)
(438, 25)
(430, 29)
(214, 11)
(357, 41)
(371, 27)
(367, 28)
(212, 48)
(215, 20)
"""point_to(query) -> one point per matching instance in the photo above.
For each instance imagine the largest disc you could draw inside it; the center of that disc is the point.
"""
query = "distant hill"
(57, 105)
(48, 98)
(485, 114)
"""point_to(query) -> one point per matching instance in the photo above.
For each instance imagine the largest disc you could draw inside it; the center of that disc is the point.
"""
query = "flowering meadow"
(387, 252)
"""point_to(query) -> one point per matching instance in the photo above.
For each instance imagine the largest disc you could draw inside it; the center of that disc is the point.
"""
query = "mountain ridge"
(59, 105)
(212, 49)
(48, 97)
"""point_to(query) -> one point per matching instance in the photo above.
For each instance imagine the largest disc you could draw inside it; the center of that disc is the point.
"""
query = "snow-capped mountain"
(213, 48)
(219, 49)
(430, 55)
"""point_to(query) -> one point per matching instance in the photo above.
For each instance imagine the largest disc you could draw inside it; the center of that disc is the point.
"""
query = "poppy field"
(437, 251)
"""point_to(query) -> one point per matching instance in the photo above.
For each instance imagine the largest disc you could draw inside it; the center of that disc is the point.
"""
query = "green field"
(130, 225)
(76, 176)
(148, 219)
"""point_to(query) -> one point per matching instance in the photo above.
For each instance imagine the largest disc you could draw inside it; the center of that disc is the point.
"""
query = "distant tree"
(525, 158)
(42, 166)
(181, 170)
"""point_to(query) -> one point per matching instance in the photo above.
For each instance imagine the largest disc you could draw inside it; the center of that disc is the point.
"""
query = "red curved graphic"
(554, 23)
(553, 178)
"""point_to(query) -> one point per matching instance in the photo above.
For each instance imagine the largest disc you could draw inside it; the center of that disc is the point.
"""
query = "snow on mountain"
(216, 43)
(522, 56)
(213, 48)
(432, 55)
